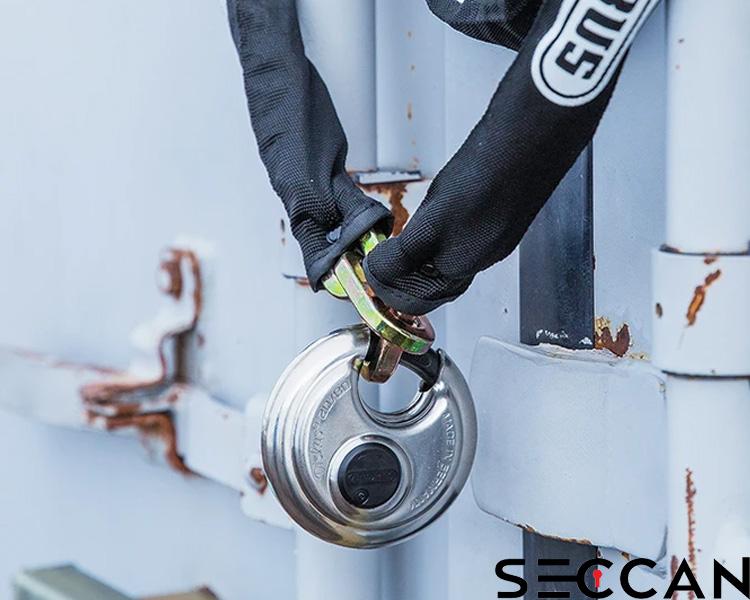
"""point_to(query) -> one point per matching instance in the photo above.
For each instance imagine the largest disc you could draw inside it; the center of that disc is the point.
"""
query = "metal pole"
(708, 126)
(557, 307)
(701, 283)
(327, 572)
(339, 39)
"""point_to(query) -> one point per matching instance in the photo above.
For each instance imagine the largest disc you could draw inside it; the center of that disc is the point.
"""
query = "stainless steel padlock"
(352, 475)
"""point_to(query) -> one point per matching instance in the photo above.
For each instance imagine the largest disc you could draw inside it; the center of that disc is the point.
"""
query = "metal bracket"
(142, 398)
(155, 396)
(565, 436)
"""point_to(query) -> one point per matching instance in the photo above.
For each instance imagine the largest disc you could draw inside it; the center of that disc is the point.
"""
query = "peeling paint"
(546, 334)
(699, 297)
(617, 345)
(409, 111)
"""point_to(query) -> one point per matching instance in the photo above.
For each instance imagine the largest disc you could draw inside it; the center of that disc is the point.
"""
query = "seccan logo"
(605, 581)
(577, 57)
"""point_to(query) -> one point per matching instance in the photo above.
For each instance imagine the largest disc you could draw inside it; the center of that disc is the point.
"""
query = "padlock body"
(354, 476)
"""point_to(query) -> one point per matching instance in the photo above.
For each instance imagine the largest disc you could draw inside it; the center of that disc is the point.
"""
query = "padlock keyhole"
(369, 475)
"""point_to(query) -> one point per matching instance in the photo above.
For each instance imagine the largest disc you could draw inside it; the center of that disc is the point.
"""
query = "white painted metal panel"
(629, 164)
(127, 129)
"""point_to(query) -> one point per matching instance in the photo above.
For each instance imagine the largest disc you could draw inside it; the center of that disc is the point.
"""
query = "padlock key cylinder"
(369, 475)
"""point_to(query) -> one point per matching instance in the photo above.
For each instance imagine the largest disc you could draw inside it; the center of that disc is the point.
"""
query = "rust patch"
(195, 267)
(709, 260)
(151, 426)
(129, 400)
(674, 564)
(302, 282)
(259, 480)
(659, 310)
(172, 284)
(699, 297)
(395, 193)
(603, 339)
(690, 502)
(410, 111)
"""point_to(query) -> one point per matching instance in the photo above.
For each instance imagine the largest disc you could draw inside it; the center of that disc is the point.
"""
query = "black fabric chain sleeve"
(482, 202)
(505, 22)
(300, 138)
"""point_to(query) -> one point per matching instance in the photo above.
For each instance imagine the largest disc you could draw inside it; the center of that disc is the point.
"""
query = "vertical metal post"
(557, 307)
(702, 287)
(708, 126)
(340, 40)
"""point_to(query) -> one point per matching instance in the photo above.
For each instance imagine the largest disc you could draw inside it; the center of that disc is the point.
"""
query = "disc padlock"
(352, 475)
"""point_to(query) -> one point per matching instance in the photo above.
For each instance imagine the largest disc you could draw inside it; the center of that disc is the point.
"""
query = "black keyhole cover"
(369, 475)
